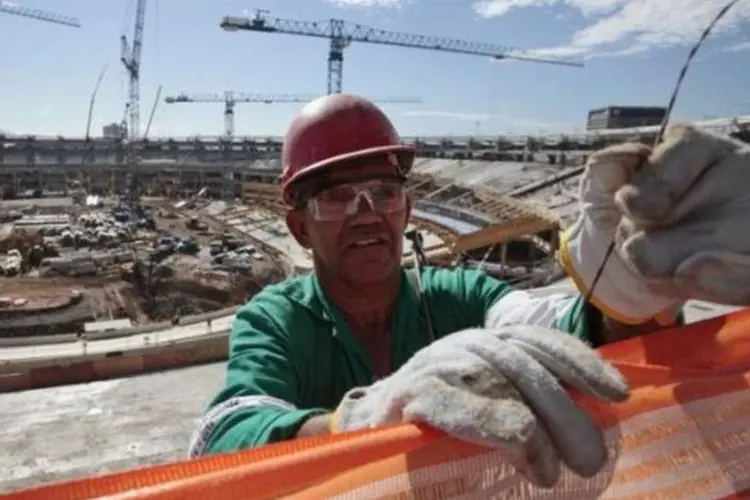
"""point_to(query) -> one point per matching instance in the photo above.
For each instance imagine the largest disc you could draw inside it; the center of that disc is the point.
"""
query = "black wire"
(420, 260)
(662, 129)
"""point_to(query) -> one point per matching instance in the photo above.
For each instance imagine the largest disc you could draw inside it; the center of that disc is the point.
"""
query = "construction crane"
(40, 15)
(341, 34)
(131, 59)
(230, 99)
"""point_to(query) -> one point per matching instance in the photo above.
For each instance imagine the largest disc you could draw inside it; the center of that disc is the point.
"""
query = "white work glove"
(687, 218)
(621, 293)
(680, 217)
(499, 388)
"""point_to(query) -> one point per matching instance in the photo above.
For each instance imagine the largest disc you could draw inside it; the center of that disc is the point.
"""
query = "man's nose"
(363, 203)
(364, 208)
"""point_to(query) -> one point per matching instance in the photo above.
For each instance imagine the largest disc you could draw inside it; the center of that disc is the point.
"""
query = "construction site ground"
(192, 288)
(175, 222)
(102, 300)
(38, 297)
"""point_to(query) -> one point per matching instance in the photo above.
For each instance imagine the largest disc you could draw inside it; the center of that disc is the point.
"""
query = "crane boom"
(238, 97)
(40, 15)
(230, 98)
(342, 33)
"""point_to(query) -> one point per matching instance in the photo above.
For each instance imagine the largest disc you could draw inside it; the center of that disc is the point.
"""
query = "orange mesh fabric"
(684, 434)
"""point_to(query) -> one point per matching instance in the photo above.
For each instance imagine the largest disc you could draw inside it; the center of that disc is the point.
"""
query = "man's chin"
(369, 274)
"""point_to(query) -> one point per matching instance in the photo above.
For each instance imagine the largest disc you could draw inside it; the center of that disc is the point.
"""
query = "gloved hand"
(680, 219)
(621, 293)
(686, 225)
(498, 388)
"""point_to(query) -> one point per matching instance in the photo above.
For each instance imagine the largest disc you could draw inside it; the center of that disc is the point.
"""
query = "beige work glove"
(686, 228)
(621, 292)
(499, 388)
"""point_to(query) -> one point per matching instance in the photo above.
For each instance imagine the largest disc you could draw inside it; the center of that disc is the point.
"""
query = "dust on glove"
(686, 218)
(621, 293)
(499, 388)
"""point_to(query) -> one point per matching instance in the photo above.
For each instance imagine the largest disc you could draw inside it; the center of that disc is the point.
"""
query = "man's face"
(354, 222)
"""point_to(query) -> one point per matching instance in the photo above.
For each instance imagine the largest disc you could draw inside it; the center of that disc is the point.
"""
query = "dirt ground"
(177, 226)
(192, 288)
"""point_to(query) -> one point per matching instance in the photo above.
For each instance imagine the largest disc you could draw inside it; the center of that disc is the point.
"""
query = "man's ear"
(295, 222)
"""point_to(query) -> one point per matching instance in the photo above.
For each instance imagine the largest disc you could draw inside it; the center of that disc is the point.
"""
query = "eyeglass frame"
(308, 198)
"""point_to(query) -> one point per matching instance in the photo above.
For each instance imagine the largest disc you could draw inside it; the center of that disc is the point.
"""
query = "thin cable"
(126, 17)
(157, 33)
(660, 135)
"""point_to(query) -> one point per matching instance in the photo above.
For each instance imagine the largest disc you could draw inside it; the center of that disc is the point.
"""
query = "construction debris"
(127, 262)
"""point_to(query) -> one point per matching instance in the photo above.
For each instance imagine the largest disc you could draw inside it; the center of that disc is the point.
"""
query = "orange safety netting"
(684, 433)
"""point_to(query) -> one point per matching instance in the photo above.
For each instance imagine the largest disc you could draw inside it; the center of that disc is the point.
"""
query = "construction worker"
(346, 346)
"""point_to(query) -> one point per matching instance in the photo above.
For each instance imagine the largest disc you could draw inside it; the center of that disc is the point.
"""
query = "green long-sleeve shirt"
(293, 356)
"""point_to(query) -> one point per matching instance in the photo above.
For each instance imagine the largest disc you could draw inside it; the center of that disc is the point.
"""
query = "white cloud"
(497, 8)
(368, 3)
(625, 27)
(453, 115)
(738, 47)
(506, 122)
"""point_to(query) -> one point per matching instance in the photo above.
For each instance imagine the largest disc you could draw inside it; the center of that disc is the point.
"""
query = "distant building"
(113, 131)
(613, 117)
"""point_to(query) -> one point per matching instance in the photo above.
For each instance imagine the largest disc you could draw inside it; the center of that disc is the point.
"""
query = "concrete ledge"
(81, 369)
(136, 330)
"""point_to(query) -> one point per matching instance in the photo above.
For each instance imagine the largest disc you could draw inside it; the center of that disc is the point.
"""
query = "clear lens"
(342, 201)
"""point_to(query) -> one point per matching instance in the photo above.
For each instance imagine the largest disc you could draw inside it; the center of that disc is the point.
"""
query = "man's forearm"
(319, 425)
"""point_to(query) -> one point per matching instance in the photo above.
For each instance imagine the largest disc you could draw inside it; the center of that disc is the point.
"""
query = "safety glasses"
(338, 202)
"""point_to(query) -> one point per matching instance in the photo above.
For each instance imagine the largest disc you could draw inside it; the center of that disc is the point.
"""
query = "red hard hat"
(336, 128)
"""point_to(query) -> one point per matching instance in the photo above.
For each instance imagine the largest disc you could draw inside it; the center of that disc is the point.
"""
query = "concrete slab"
(276, 235)
(500, 175)
(53, 351)
(40, 202)
(79, 430)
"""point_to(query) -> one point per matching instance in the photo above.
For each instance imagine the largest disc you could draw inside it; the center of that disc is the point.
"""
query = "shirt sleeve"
(259, 401)
(551, 307)
(459, 298)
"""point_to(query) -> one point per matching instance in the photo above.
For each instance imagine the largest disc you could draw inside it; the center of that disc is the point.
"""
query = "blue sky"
(632, 50)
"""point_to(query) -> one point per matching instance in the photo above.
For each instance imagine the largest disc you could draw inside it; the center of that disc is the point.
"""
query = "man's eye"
(385, 191)
(337, 194)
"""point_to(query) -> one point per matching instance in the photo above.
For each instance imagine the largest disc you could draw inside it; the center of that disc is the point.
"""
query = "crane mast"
(131, 59)
(39, 15)
(341, 34)
(230, 99)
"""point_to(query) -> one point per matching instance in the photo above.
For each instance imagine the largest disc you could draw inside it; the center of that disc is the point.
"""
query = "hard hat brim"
(404, 164)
